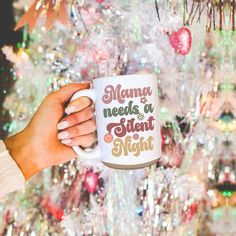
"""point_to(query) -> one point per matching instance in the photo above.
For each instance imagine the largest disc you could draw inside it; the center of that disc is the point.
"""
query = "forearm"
(20, 149)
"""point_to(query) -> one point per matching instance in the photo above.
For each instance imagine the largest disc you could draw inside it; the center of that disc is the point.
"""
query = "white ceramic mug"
(127, 121)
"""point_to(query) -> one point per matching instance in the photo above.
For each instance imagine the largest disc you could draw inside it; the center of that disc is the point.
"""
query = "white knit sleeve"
(11, 178)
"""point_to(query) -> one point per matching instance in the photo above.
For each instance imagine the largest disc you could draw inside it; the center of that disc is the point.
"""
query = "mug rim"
(122, 76)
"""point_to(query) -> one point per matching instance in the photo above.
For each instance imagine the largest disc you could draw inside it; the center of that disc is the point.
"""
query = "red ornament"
(181, 41)
(191, 211)
(100, 1)
(53, 209)
(8, 217)
(57, 213)
(162, 139)
(91, 181)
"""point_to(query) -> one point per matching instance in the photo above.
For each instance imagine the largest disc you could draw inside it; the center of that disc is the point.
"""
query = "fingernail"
(66, 141)
(70, 109)
(63, 135)
(63, 125)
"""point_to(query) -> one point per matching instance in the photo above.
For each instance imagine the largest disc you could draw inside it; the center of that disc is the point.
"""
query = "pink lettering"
(120, 94)
(126, 126)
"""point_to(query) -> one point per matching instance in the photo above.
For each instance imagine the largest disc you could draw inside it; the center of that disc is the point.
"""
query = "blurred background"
(8, 37)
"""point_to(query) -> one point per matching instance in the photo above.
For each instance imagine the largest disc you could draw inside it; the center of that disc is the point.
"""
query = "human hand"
(77, 128)
(37, 146)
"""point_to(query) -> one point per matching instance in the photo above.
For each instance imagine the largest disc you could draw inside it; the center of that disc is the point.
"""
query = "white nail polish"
(63, 135)
(70, 109)
(66, 141)
(63, 125)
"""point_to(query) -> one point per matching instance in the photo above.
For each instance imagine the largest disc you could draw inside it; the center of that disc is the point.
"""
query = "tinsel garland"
(218, 14)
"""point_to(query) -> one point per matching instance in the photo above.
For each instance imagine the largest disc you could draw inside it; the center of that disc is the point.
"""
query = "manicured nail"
(70, 109)
(63, 135)
(66, 141)
(63, 125)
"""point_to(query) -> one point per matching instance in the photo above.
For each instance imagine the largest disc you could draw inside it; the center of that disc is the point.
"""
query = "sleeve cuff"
(11, 178)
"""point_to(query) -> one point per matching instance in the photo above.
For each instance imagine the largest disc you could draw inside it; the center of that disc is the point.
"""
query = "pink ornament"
(181, 41)
(8, 217)
(100, 55)
(100, 1)
(91, 181)
(90, 16)
(172, 151)
(108, 138)
(162, 139)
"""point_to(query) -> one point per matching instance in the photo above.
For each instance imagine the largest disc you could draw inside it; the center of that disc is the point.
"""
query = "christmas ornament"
(172, 151)
(52, 209)
(181, 41)
(91, 181)
(190, 212)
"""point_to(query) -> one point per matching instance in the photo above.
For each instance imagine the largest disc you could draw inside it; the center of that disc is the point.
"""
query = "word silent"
(126, 126)
(119, 94)
(126, 146)
(130, 109)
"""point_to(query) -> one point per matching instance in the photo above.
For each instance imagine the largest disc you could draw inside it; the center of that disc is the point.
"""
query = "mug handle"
(94, 153)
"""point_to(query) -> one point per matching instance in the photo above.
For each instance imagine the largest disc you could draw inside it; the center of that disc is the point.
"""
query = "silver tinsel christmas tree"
(185, 192)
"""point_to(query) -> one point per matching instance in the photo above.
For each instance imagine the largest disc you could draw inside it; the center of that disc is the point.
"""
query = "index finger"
(65, 93)
(78, 105)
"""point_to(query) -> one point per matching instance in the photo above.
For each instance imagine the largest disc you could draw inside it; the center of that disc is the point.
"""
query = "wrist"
(21, 150)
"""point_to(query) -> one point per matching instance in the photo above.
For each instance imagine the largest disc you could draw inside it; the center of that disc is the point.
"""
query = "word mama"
(126, 146)
(119, 94)
(126, 126)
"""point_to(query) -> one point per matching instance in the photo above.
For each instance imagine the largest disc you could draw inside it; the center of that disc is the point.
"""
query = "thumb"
(66, 92)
